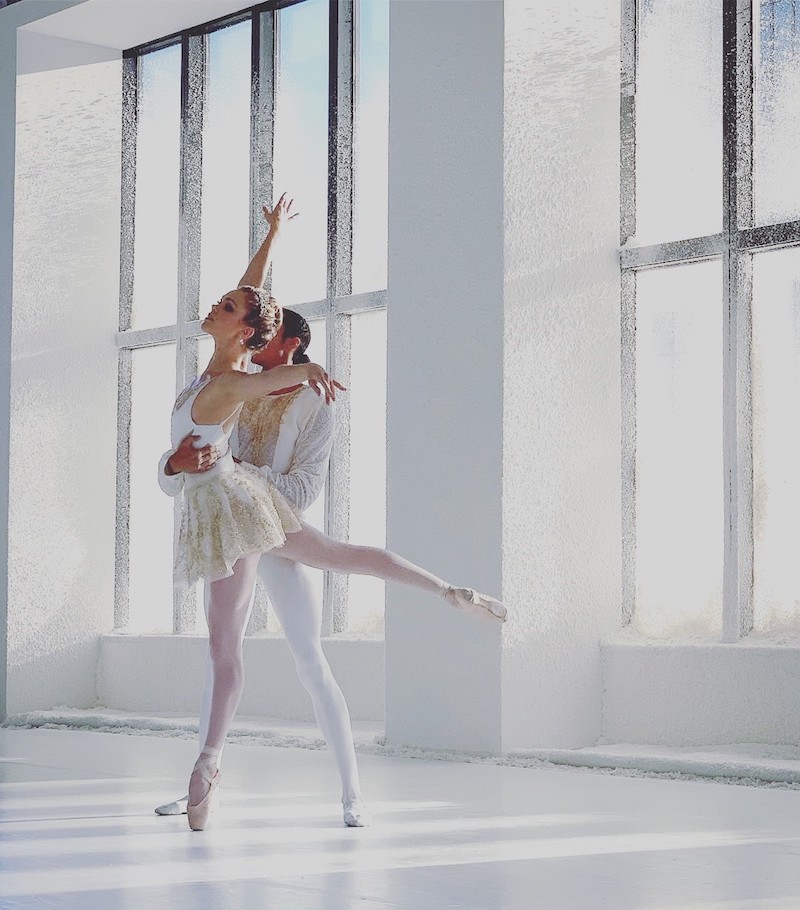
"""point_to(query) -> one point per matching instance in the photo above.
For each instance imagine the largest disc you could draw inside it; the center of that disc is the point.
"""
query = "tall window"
(711, 316)
(216, 121)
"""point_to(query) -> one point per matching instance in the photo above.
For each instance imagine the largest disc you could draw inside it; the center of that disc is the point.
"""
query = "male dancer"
(287, 435)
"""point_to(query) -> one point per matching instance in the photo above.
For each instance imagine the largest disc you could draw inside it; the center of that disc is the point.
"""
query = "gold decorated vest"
(260, 425)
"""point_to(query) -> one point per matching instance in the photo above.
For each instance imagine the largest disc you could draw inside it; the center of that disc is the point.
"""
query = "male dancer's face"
(278, 351)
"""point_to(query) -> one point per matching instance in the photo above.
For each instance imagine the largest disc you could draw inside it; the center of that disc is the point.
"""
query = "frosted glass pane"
(371, 158)
(776, 110)
(317, 351)
(226, 163)
(299, 272)
(155, 283)
(367, 463)
(679, 120)
(679, 478)
(776, 440)
(151, 512)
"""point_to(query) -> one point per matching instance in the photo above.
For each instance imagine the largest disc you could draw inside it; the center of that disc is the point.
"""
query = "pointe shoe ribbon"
(198, 814)
(472, 601)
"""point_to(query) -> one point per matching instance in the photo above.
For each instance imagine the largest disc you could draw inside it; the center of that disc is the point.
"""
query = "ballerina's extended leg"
(313, 548)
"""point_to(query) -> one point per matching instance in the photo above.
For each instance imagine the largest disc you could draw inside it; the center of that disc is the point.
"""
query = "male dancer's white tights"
(228, 607)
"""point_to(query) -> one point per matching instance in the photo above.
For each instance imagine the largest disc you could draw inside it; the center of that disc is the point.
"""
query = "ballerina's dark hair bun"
(263, 316)
(294, 326)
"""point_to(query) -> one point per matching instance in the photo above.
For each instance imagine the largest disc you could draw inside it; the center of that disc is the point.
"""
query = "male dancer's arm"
(304, 480)
(186, 459)
(170, 483)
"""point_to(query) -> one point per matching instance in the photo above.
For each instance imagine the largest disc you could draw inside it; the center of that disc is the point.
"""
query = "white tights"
(300, 613)
(228, 608)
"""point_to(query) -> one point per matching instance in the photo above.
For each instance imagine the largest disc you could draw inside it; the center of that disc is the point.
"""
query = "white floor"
(77, 831)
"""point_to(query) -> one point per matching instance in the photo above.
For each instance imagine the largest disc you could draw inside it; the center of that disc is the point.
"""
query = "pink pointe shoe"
(474, 602)
(198, 813)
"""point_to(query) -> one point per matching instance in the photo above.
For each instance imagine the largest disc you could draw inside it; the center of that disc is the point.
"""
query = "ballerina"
(288, 436)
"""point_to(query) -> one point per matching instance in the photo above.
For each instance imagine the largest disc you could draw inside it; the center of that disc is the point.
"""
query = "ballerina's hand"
(280, 213)
(320, 382)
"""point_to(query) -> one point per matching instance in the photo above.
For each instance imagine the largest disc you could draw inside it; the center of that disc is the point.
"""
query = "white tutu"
(231, 515)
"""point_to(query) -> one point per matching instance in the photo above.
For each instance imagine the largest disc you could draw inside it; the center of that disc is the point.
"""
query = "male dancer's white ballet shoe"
(474, 602)
(176, 807)
(206, 768)
(356, 814)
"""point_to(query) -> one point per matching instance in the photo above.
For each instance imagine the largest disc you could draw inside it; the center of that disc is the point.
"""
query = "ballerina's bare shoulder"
(222, 398)
(219, 401)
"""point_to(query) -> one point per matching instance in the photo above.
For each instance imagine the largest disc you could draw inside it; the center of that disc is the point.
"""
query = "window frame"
(336, 309)
(734, 246)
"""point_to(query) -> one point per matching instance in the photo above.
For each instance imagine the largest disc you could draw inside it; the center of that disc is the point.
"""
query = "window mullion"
(737, 119)
(629, 38)
(122, 558)
(361, 303)
(628, 122)
(628, 427)
(691, 249)
(340, 255)
(769, 236)
(262, 122)
(130, 123)
(193, 85)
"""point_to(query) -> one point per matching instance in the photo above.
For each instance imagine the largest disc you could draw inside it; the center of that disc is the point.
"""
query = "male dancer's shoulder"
(310, 405)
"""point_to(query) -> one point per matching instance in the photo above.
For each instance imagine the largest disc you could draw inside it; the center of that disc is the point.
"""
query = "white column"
(445, 365)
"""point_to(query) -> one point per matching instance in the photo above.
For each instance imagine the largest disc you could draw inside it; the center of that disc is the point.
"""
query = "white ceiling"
(126, 23)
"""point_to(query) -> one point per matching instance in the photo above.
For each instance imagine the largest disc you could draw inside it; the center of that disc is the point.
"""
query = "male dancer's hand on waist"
(187, 459)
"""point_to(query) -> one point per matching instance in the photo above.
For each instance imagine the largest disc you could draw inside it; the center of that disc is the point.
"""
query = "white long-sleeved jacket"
(292, 454)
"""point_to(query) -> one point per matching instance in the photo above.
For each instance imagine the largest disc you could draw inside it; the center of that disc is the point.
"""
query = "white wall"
(705, 693)
(561, 428)
(445, 339)
(63, 378)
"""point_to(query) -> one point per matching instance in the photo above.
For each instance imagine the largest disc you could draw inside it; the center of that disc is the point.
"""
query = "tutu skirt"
(228, 516)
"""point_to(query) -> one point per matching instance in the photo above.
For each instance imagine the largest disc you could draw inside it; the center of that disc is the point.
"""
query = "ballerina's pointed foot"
(472, 601)
(205, 770)
(356, 814)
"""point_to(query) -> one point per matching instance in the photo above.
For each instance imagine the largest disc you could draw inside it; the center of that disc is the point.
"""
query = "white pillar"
(504, 351)
(445, 365)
